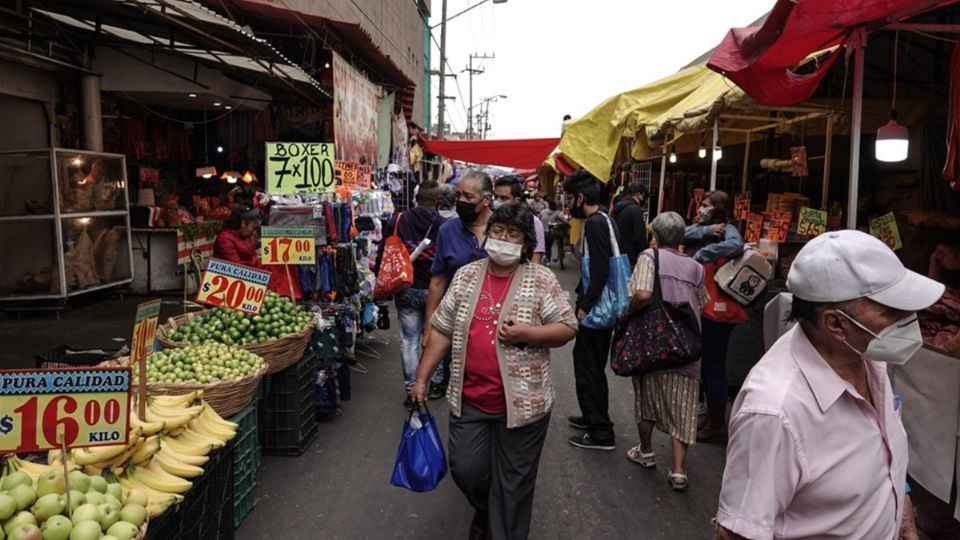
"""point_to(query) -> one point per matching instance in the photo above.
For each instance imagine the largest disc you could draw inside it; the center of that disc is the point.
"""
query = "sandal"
(636, 455)
(678, 481)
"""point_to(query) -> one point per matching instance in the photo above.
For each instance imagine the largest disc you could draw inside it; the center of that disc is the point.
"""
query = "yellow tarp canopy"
(685, 101)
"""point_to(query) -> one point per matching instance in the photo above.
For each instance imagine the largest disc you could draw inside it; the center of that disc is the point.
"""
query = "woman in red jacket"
(237, 241)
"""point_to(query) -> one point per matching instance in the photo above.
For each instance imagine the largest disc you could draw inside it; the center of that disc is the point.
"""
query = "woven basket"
(279, 354)
(226, 397)
(143, 530)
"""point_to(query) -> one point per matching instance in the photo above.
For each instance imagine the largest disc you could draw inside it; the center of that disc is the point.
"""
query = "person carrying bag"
(396, 268)
(421, 463)
(660, 343)
(614, 298)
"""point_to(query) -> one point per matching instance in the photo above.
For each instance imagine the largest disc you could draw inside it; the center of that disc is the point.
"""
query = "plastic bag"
(421, 462)
(396, 269)
(615, 298)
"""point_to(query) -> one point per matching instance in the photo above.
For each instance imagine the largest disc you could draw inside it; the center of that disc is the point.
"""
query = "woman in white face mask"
(500, 316)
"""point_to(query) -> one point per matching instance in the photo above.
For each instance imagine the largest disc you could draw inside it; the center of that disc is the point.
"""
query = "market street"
(340, 487)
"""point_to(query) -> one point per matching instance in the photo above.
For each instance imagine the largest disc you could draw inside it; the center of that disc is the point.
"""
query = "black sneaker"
(480, 526)
(437, 391)
(578, 422)
(586, 441)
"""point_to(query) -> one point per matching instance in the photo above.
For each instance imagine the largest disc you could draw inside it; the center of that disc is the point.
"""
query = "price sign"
(754, 228)
(779, 225)
(741, 205)
(885, 228)
(812, 222)
(348, 173)
(288, 245)
(299, 168)
(144, 330)
(366, 176)
(233, 286)
(84, 406)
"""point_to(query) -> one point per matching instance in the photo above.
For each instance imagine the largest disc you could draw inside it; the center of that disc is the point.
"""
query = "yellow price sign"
(80, 406)
(288, 245)
(233, 286)
(885, 228)
(144, 330)
(299, 168)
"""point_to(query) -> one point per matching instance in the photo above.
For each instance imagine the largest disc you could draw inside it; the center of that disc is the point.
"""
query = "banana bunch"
(33, 470)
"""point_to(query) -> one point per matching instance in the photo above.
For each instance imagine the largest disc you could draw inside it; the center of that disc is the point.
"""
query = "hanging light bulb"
(893, 139)
(717, 149)
(249, 177)
(702, 152)
(230, 176)
(673, 154)
(206, 172)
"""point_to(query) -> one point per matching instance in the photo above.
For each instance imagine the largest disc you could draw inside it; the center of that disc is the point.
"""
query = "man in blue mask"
(817, 448)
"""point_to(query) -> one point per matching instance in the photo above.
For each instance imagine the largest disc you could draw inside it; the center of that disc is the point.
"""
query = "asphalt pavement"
(340, 489)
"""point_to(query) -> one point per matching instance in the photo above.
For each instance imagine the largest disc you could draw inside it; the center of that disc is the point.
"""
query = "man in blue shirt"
(459, 242)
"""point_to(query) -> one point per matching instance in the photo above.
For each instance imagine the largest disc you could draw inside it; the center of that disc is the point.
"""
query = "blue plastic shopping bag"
(615, 298)
(421, 463)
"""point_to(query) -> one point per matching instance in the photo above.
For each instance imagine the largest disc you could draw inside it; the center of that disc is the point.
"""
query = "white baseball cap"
(846, 265)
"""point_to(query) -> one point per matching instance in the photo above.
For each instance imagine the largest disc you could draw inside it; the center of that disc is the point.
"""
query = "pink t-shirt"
(808, 456)
(482, 384)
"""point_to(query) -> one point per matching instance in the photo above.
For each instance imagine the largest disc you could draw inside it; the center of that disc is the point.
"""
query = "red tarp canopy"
(759, 59)
(515, 153)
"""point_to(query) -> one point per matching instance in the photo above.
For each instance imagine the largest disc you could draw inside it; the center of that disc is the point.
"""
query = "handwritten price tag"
(812, 222)
(288, 245)
(144, 330)
(85, 406)
(885, 228)
(347, 173)
(233, 286)
(299, 168)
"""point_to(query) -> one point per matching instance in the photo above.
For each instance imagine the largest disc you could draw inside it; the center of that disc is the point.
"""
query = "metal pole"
(663, 177)
(470, 115)
(92, 117)
(859, 43)
(443, 69)
(713, 155)
(746, 164)
(827, 153)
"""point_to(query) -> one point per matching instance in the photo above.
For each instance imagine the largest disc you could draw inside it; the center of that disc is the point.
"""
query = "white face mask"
(894, 344)
(447, 214)
(503, 253)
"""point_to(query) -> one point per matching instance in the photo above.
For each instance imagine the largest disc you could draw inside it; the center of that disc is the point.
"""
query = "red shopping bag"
(720, 307)
(396, 268)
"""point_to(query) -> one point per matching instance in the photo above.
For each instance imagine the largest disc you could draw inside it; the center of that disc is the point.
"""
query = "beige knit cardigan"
(534, 298)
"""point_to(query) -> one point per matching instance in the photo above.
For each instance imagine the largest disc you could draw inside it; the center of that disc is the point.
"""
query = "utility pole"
(471, 72)
(443, 69)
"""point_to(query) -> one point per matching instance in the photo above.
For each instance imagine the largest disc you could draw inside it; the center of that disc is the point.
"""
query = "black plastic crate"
(202, 514)
(69, 356)
(287, 417)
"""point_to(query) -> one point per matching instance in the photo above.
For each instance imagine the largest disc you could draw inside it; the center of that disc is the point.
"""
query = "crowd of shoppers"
(486, 315)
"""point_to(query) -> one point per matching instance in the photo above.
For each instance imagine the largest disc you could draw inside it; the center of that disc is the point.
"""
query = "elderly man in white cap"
(817, 449)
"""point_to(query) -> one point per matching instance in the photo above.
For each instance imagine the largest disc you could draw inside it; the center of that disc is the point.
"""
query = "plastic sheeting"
(761, 59)
(514, 153)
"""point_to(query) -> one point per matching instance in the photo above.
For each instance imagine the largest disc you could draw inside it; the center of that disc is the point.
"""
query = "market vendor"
(236, 242)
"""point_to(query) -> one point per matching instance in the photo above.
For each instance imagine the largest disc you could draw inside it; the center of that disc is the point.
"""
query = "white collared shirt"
(808, 456)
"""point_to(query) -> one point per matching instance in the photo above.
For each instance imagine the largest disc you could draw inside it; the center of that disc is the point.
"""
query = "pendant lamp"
(893, 139)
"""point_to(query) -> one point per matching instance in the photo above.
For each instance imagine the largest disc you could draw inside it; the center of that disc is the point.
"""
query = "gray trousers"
(496, 467)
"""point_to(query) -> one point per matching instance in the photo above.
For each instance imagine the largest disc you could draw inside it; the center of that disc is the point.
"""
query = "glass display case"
(64, 223)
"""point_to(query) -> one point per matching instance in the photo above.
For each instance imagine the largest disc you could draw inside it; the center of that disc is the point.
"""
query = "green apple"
(79, 481)
(24, 495)
(57, 528)
(51, 504)
(25, 531)
(134, 513)
(98, 483)
(51, 481)
(86, 512)
(108, 515)
(115, 490)
(19, 519)
(15, 479)
(104, 537)
(85, 530)
(94, 497)
(76, 499)
(113, 501)
(123, 530)
(135, 496)
(8, 506)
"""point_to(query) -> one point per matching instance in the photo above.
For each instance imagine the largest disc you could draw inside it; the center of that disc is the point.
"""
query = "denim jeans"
(411, 310)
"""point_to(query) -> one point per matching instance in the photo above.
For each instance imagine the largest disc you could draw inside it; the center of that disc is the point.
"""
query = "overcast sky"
(556, 57)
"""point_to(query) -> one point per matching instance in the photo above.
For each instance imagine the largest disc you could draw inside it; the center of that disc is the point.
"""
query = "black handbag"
(662, 335)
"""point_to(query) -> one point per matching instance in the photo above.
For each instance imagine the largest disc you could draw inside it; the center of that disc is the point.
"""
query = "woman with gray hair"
(667, 399)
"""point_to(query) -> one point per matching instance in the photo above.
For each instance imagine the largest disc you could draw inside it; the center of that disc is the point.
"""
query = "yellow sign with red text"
(233, 286)
(80, 407)
(144, 330)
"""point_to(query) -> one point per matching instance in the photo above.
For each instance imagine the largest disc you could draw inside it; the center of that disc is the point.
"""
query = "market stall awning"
(684, 101)
(761, 60)
(515, 153)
